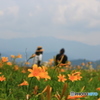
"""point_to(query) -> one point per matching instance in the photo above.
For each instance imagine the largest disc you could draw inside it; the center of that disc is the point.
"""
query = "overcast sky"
(77, 20)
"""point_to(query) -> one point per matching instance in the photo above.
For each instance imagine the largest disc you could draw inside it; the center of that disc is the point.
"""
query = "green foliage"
(9, 89)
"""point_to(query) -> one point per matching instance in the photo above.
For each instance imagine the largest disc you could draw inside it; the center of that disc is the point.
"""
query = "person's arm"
(33, 55)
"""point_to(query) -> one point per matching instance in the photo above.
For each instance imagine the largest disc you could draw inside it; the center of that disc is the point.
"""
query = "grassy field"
(19, 82)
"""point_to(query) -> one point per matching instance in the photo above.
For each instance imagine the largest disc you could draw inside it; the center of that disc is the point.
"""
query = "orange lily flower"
(16, 67)
(12, 56)
(4, 59)
(98, 88)
(75, 97)
(35, 72)
(38, 72)
(27, 63)
(61, 78)
(19, 56)
(23, 71)
(9, 63)
(44, 75)
(1, 64)
(62, 70)
(78, 77)
(72, 77)
(23, 83)
(76, 73)
(2, 78)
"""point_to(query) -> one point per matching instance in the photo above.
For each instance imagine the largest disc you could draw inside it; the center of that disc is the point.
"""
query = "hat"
(39, 49)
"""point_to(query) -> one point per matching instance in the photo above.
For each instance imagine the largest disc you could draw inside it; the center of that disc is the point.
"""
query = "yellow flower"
(61, 78)
(23, 83)
(4, 59)
(2, 78)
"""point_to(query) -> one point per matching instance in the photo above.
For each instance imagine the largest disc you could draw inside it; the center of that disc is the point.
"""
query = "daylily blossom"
(38, 72)
(16, 67)
(62, 70)
(75, 97)
(19, 56)
(2, 78)
(83, 64)
(61, 78)
(23, 71)
(98, 88)
(23, 83)
(72, 77)
(12, 56)
(75, 76)
(76, 73)
(1, 64)
(9, 63)
(35, 91)
(4, 59)
(78, 77)
(27, 63)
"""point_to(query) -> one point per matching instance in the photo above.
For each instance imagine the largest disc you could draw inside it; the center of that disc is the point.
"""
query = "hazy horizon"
(51, 46)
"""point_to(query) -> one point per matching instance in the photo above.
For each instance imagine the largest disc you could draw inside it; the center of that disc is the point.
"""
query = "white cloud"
(13, 10)
(78, 10)
(1, 13)
(59, 16)
(93, 23)
(37, 10)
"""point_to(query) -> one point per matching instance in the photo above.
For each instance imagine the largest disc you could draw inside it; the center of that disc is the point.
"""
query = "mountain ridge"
(51, 45)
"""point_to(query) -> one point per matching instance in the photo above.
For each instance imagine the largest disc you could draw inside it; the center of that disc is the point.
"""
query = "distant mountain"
(74, 49)
(79, 61)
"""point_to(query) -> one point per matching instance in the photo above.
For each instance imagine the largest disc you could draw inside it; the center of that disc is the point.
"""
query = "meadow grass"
(42, 89)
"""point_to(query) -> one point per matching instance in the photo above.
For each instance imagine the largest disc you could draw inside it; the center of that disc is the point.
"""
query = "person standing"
(61, 58)
(38, 56)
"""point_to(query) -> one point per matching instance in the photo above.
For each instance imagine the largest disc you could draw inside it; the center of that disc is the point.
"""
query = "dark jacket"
(59, 57)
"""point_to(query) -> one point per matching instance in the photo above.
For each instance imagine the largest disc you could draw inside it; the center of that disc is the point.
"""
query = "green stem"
(29, 85)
